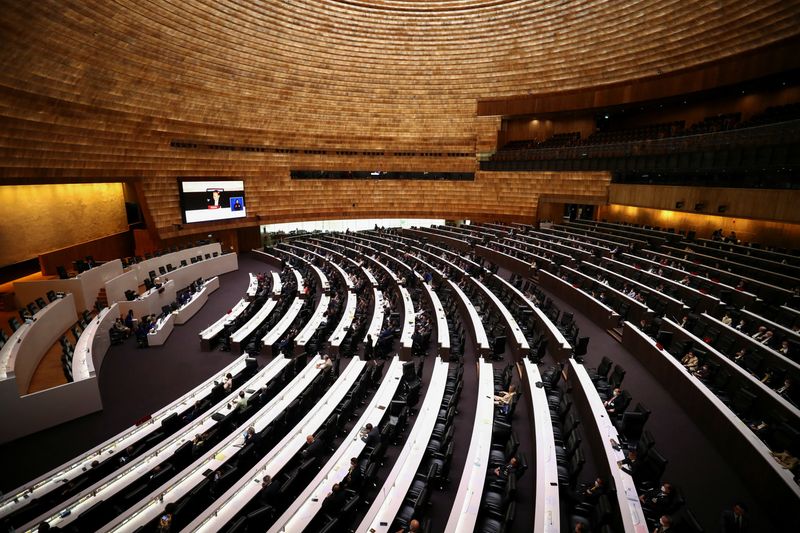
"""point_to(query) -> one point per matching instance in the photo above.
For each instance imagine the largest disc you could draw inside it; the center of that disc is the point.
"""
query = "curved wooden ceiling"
(348, 68)
(97, 90)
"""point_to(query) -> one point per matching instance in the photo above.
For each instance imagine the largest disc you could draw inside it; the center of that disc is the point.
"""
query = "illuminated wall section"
(40, 218)
(780, 234)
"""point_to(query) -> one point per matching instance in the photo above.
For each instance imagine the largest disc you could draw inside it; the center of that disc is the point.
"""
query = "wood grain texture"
(39, 219)
(97, 91)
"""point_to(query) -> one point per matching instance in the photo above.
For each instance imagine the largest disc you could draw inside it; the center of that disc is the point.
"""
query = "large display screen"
(212, 200)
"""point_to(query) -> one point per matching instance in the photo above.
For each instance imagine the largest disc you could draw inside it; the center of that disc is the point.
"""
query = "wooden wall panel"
(102, 249)
(37, 219)
(770, 233)
(492, 196)
(760, 204)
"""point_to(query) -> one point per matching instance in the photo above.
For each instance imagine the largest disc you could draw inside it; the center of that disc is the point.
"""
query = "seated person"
(240, 402)
(505, 398)
(269, 491)
(370, 435)
(703, 373)
(690, 361)
(326, 363)
(664, 525)
(313, 448)
(785, 459)
(354, 475)
(121, 328)
(509, 469)
(632, 466)
(593, 492)
(658, 501)
(785, 388)
(413, 527)
(228, 383)
(334, 501)
(615, 402)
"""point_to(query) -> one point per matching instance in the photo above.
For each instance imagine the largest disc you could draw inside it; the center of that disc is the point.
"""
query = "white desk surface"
(72, 469)
(307, 505)
(425, 263)
(251, 325)
(639, 284)
(252, 287)
(679, 271)
(277, 285)
(180, 485)
(546, 516)
(283, 324)
(477, 325)
(467, 502)
(163, 329)
(724, 412)
(82, 363)
(321, 277)
(197, 301)
(773, 325)
(390, 497)
(376, 323)
(509, 319)
(370, 277)
(313, 323)
(609, 288)
(348, 315)
(670, 281)
(409, 319)
(627, 498)
(442, 329)
(385, 268)
(8, 354)
(211, 331)
(243, 491)
(301, 282)
(548, 324)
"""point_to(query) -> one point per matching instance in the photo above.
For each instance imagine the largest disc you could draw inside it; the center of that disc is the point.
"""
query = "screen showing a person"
(205, 201)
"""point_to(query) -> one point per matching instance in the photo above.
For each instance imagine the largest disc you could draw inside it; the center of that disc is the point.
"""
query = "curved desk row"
(773, 486)
(133, 470)
(56, 478)
(179, 486)
(387, 503)
(251, 325)
(467, 503)
(222, 511)
(600, 436)
(308, 503)
(197, 301)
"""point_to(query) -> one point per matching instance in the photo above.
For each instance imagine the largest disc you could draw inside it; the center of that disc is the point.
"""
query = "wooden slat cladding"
(384, 72)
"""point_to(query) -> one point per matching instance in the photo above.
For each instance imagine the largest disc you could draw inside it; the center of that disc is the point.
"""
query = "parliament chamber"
(394, 265)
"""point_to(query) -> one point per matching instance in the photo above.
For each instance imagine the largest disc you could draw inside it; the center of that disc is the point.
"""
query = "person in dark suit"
(658, 502)
(371, 435)
(354, 476)
(735, 520)
(313, 448)
(368, 348)
(613, 404)
(269, 491)
(632, 465)
(334, 501)
(509, 469)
